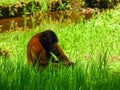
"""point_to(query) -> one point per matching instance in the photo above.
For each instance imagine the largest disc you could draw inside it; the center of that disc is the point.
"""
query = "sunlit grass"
(7, 2)
(94, 46)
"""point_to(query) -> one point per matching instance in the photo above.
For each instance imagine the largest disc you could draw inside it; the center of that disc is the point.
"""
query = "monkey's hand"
(68, 63)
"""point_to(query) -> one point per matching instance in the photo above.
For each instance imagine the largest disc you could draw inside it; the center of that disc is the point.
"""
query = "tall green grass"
(94, 46)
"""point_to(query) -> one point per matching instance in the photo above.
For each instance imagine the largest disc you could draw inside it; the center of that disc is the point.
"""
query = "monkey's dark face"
(48, 40)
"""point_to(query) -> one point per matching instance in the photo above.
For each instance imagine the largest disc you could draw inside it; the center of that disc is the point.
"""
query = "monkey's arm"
(37, 55)
(61, 55)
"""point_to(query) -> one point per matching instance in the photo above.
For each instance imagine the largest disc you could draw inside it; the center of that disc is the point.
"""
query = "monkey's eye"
(44, 38)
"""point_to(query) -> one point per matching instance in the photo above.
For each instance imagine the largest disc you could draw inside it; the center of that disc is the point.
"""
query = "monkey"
(41, 45)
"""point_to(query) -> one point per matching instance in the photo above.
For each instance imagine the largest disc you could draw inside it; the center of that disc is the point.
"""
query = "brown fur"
(40, 46)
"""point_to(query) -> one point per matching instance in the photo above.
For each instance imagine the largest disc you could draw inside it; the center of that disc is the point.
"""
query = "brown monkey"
(40, 46)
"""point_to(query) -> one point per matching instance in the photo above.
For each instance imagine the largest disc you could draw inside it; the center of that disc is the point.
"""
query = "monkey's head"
(48, 39)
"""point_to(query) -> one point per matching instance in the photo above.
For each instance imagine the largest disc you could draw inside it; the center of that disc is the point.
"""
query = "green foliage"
(44, 5)
(91, 45)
